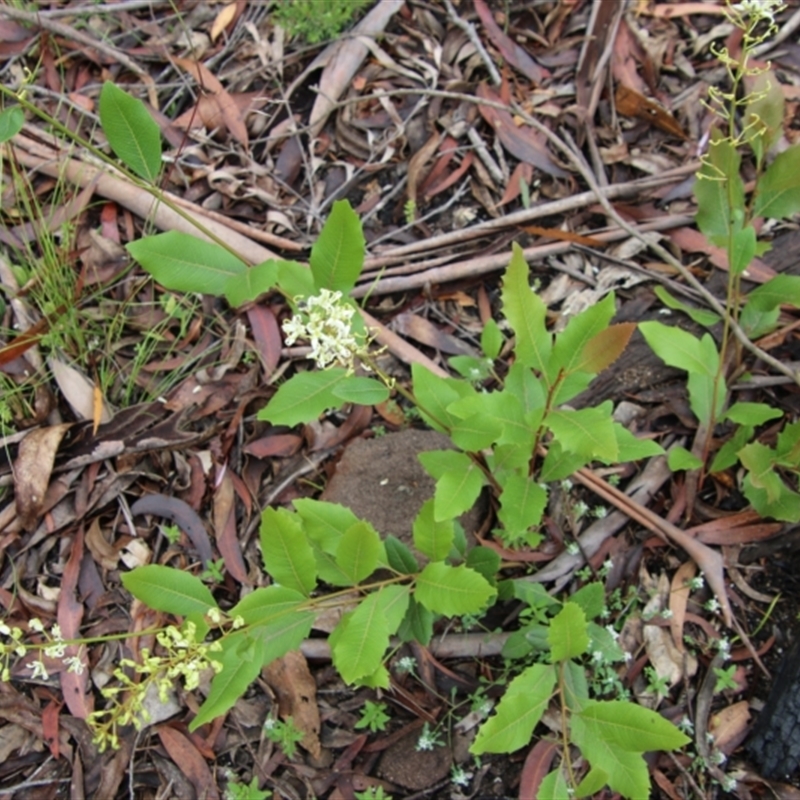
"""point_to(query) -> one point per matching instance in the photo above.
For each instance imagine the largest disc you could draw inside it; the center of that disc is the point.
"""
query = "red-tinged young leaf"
(304, 397)
(338, 254)
(518, 712)
(184, 263)
(167, 589)
(288, 557)
(572, 341)
(452, 591)
(131, 131)
(603, 349)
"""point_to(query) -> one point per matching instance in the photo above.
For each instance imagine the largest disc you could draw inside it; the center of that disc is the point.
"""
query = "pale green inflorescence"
(325, 320)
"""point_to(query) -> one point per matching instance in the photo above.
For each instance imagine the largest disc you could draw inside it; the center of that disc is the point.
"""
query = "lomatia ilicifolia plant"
(750, 114)
(513, 435)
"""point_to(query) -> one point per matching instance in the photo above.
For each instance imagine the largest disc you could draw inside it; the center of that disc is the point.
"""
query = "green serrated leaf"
(679, 458)
(782, 504)
(399, 556)
(184, 263)
(753, 414)
(568, 636)
(360, 640)
(555, 786)
(132, 133)
(778, 189)
(518, 712)
(631, 448)
(522, 503)
(433, 539)
(358, 552)
(631, 727)
(484, 561)
(603, 641)
(325, 523)
(560, 463)
(249, 285)
(304, 397)
(417, 625)
(11, 122)
(591, 598)
(677, 348)
(526, 314)
(777, 291)
(728, 454)
(338, 254)
(491, 339)
(452, 591)
(576, 687)
(757, 323)
(287, 555)
(706, 396)
(472, 368)
(592, 783)
(475, 433)
(361, 391)
(167, 589)
(700, 315)
(501, 409)
(588, 432)
(435, 394)
(627, 772)
(457, 489)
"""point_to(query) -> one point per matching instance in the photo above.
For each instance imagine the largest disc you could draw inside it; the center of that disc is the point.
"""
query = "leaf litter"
(265, 133)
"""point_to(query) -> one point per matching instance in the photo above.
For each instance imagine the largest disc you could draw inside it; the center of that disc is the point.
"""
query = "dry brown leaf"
(630, 103)
(223, 19)
(729, 726)
(79, 392)
(105, 554)
(225, 529)
(188, 759)
(426, 332)
(679, 597)
(32, 469)
(290, 678)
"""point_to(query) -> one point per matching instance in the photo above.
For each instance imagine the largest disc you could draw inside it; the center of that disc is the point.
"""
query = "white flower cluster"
(325, 320)
(757, 10)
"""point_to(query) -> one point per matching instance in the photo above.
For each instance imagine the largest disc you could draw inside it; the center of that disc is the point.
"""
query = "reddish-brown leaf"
(267, 335)
(604, 348)
(225, 529)
(186, 756)
(536, 766)
(74, 685)
(281, 444)
(632, 104)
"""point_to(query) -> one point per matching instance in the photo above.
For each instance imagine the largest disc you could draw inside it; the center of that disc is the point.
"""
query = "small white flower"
(407, 664)
(459, 777)
(686, 725)
(35, 624)
(580, 509)
(74, 664)
(573, 549)
(269, 724)
(712, 605)
(612, 632)
(696, 583)
(38, 670)
(666, 613)
(600, 512)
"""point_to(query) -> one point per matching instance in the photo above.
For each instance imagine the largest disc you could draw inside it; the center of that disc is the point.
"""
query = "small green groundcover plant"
(514, 435)
(315, 20)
